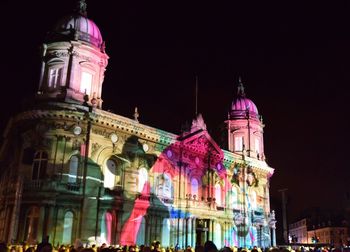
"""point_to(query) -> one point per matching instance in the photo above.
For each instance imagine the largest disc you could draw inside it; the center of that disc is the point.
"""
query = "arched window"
(67, 228)
(218, 194)
(164, 186)
(109, 174)
(32, 224)
(86, 82)
(73, 169)
(194, 187)
(55, 76)
(106, 227)
(143, 178)
(39, 165)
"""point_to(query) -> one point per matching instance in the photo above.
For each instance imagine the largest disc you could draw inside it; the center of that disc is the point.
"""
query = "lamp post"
(284, 212)
(272, 225)
(86, 159)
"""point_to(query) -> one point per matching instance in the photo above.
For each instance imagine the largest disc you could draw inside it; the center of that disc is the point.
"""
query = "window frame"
(238, 144)
(40, 164)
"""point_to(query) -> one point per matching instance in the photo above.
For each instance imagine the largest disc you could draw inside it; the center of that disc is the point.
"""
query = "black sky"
(294, 60)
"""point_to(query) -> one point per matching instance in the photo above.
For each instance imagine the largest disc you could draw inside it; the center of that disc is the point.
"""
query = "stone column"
(193, 232)
(273, 234)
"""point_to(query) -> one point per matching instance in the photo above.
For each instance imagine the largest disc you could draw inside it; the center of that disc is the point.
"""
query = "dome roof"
(77, 27)
(81, 28)
(243, 107)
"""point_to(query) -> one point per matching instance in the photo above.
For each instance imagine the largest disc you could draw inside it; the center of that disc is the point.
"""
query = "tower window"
(257, 145)
(55, 76)
(238, 143)
(86, 83)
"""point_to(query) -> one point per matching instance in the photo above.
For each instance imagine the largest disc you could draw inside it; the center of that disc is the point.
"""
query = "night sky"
(294, 60)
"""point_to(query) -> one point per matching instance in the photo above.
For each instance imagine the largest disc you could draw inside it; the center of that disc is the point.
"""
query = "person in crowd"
(78, 245)
(209, 246)
(3, 247)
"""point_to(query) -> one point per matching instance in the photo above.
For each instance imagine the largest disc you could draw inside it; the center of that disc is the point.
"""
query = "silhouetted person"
(3, 247)
(209, 246)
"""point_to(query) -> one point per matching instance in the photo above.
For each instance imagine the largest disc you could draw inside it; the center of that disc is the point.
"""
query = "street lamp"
(272, 225)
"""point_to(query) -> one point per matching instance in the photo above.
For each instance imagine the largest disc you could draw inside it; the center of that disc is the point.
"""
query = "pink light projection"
(132, 225)
(165, 173)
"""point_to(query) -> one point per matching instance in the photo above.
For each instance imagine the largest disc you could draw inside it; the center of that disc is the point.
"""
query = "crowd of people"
(209, 246)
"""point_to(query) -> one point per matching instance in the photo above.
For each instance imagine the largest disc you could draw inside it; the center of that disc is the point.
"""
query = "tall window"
(217, 237)
(106, 227)
(86, 83)
(218, 194)
(32, 224)
(253, 200)
(143, 178)
(39, 165)
(238, 143)
(73, 169)
(234, 197)
(166, 233)
(55, 76)
(140, 240)
(164, 186)
(257, 145)
(67, 228)
(109, 174)
(194, 187)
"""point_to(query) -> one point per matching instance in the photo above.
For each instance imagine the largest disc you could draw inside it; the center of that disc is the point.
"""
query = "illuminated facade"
(298, 231)
(72, 170)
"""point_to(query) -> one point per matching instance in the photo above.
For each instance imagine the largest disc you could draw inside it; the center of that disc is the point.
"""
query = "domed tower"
(245, 129)
(73, 60)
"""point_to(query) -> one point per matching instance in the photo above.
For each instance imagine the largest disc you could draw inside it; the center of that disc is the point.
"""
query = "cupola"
(245, 129)
(73, 60)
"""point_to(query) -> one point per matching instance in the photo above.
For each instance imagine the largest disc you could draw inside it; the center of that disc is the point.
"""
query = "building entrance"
(202, 231)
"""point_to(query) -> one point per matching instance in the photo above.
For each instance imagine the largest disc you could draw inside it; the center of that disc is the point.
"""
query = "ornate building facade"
(71, 170)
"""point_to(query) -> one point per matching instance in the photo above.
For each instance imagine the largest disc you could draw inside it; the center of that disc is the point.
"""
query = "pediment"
(201, 141)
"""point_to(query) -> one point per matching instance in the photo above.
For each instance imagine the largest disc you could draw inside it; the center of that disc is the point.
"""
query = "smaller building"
(335, 236)
(298, 231)
(320, 227)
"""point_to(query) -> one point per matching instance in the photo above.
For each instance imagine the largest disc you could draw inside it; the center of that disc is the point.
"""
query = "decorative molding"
(95, 147)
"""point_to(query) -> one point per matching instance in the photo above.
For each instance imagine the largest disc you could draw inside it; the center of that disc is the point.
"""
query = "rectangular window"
(86, 83)
(55, 76)
(239, 143)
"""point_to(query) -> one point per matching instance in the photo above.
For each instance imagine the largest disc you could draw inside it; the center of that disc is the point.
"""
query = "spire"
(136, 115)
(240, 89)
(81, 7)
